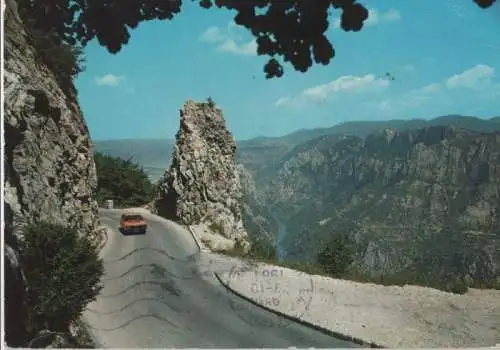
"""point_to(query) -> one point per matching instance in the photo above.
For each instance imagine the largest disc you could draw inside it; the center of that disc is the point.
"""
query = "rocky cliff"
(48, 159)
(202, 185)
(49, 165)
(422, 202)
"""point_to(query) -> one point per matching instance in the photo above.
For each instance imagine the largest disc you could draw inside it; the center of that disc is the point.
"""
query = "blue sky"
(444, 56)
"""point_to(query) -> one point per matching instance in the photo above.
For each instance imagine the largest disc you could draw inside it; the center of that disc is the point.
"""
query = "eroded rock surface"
(202, 186)
(49, 165)
(48, 158)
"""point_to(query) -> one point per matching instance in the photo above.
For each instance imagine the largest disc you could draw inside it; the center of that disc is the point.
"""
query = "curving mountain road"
(159, 291)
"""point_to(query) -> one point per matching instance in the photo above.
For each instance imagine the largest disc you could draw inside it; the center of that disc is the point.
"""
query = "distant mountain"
(261, 155)
(422, 202)
(153, 155)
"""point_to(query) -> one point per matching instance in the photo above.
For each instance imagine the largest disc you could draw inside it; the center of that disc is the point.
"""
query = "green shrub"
(63, 272)
(236, 251)
(211, 102)
(123, 181)
(457, 286)
(493, 284)
(216, 227)
(260, 249)
(336, 256)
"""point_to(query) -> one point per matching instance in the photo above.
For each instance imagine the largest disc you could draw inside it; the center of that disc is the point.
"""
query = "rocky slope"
(418, 204)
(256, 217)
(48, 156)
(202, 185)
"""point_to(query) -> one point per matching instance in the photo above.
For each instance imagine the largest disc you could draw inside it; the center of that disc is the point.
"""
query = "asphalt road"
(159, 292)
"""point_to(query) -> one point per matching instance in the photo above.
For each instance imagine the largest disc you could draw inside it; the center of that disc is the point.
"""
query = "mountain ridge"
(155, 154)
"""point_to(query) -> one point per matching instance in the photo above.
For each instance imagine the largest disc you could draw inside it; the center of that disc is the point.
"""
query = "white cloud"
(417, 97)
(478, 78)
(376, 17)
(248, 49)
(473, 78)
(430, 89)
(229, 41)
(282, 101)
(213, 35)
(345, 84)
(391, 16)
(348, 83)
(109, 80)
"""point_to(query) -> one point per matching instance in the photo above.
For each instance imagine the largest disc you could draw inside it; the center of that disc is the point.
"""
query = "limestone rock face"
(202, 185)
(49, 166)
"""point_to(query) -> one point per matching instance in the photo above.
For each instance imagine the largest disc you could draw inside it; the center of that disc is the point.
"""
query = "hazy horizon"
(305, 129)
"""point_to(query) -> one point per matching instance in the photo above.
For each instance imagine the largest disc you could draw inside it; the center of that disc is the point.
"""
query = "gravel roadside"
(391, 316)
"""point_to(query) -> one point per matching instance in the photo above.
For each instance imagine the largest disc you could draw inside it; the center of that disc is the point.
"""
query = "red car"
(133, 223)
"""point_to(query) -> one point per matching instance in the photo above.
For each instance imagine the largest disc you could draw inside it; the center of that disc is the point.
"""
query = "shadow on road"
(131, 233)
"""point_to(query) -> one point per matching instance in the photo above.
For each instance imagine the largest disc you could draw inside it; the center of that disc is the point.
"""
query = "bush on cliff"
(336, 256)
(123, 181)
(261, 249)
(63, 272)
(63, 56)
(211, 102)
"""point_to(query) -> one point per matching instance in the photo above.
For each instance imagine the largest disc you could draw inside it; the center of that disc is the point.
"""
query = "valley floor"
(391, 316)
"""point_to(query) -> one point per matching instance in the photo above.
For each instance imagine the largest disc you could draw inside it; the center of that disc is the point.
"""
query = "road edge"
(103, 230)
(194, 237)
(201, 246)
(323, 330)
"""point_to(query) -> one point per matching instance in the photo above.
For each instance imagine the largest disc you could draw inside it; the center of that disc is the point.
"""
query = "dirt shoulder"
(391, 316)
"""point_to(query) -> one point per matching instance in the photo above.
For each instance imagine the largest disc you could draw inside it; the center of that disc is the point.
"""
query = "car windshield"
(133, 218)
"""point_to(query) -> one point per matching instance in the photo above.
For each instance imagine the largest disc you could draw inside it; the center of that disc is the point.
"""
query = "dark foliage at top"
(64, 58)
(291, 29)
